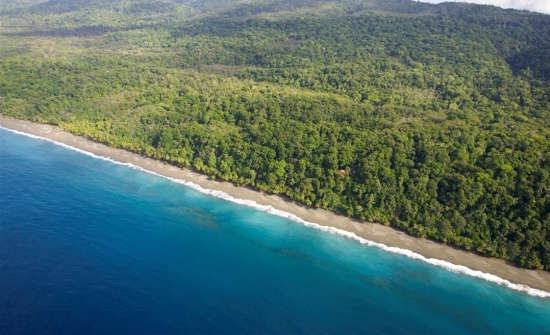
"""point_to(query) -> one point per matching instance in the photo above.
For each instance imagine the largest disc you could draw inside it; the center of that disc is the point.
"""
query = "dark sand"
(370, 231)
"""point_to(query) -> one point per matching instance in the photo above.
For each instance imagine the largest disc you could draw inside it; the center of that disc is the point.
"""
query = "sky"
(542, 6)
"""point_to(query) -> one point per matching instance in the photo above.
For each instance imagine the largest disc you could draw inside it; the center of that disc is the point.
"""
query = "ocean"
(92, 247)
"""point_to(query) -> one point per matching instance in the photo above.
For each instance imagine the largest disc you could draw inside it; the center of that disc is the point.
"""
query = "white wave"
(332, 230)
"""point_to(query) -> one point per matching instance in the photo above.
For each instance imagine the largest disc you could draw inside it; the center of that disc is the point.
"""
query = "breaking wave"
(332, 230)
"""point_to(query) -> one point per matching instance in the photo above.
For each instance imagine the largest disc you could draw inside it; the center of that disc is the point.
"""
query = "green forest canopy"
(434, 119)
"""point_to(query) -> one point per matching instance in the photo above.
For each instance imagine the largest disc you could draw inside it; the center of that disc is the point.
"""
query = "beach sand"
(370, 231)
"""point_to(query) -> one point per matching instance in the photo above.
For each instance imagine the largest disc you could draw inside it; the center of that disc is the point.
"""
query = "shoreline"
(532, 282)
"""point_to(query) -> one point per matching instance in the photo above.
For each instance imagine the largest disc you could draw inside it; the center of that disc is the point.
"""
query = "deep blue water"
(90, 247)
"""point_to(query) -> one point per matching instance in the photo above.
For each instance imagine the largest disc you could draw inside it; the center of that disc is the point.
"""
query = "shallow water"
(87, 246)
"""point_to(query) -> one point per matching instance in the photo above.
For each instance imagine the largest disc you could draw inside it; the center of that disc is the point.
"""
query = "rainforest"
(433, 119)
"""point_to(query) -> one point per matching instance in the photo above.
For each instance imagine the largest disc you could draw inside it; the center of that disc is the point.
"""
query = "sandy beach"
(369, 231)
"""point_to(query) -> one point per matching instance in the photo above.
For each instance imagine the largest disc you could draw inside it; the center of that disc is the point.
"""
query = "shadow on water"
(200, 217)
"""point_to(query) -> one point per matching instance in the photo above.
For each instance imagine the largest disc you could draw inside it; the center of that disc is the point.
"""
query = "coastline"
(535, 283)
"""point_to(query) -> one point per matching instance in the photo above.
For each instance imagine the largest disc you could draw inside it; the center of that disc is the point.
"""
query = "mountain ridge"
(440, 120)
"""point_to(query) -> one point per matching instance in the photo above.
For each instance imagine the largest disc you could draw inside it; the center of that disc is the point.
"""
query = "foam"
(332, 230)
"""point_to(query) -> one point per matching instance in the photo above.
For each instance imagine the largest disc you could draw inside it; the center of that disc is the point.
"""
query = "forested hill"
(434, 119)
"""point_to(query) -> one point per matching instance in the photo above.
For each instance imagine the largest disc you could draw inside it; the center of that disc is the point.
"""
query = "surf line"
(461, 269)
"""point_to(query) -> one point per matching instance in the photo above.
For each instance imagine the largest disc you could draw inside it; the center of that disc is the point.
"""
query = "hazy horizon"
(541, 6)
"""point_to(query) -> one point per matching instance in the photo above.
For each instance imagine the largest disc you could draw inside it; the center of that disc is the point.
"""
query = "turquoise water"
(90, 247)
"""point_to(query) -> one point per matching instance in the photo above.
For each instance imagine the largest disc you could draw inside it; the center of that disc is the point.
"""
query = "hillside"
(434, 119)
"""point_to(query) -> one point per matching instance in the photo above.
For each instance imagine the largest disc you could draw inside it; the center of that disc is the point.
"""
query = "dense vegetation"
(432, 119)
